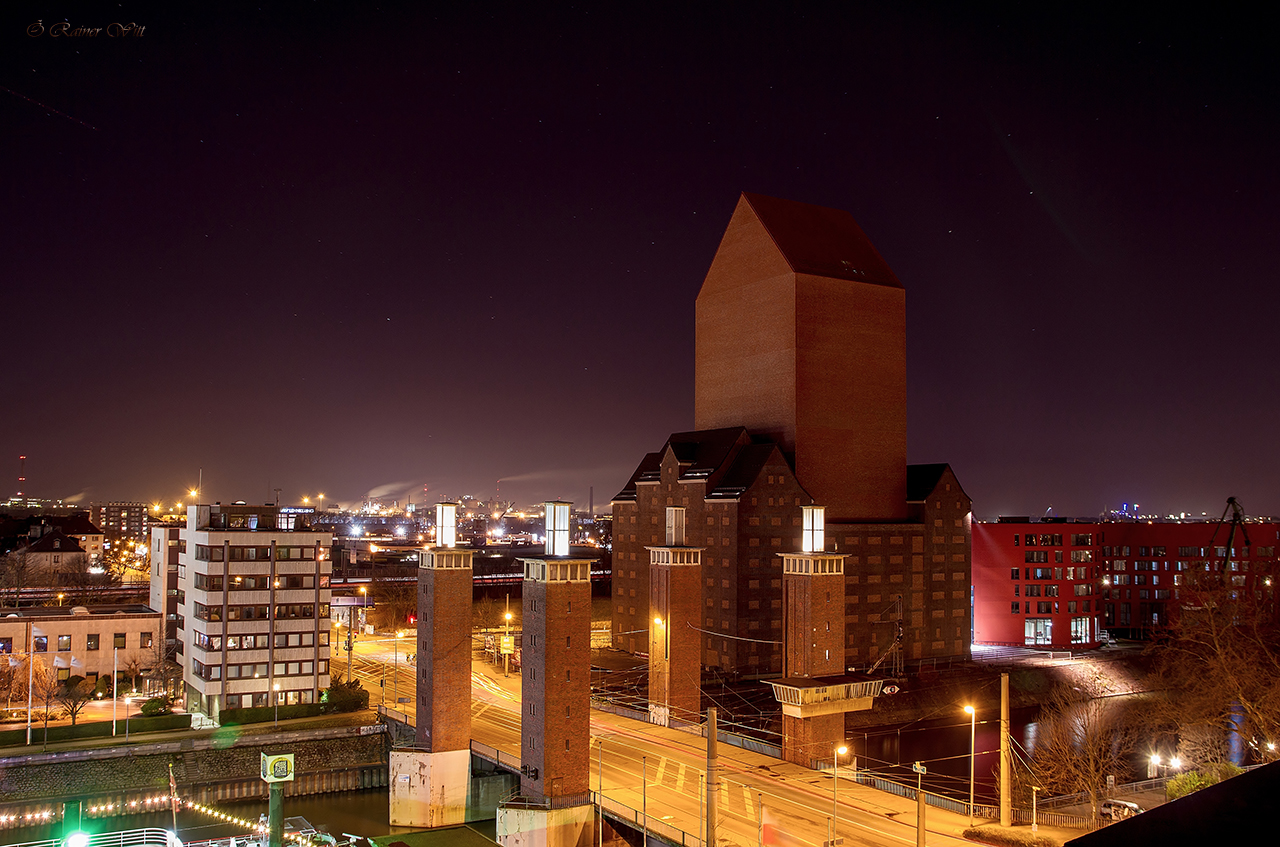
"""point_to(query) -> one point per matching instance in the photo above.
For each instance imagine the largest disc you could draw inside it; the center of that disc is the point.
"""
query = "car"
(1118, 810)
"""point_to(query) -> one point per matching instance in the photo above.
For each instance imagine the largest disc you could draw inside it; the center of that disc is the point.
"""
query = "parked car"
(1118, 810)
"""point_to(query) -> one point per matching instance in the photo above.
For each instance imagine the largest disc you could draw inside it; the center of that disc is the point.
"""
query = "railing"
(498, 757)
(151, 837)
(961, 807)
(732, 738)
(634, 817)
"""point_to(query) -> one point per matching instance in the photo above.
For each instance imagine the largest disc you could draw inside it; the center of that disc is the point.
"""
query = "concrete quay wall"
(222, 766)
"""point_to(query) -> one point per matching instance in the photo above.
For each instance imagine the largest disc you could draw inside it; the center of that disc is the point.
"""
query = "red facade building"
(1060, 583)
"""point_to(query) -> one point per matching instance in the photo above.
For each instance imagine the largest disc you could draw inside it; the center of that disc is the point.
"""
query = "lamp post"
(1034, 826)
(364, 604)
(127, 700)
(644, 797)
(395, 663)
(835, 791)
(973, 728)
(276, 697)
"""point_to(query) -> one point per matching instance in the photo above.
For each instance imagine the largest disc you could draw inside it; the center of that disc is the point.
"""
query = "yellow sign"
(277, 767)
(508, 645)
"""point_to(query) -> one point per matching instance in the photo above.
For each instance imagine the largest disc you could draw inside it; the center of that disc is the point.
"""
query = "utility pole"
(713, 777)
(1006, 812)
(920, 770)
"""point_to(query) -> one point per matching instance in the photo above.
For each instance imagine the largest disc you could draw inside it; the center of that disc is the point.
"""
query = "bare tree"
(17, 571)
(161, 662)
(73, 695)
(1081, 741)
(77, 575)
(393, 603)
(132, 666)
(1220, 661)
(44, 686)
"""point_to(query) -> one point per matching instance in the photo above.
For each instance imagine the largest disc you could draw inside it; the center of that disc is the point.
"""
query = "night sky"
(365, 250)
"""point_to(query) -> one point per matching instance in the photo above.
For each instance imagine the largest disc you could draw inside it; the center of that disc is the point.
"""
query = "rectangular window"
(1079, 630)
(118, 640)
(64, 643)
(145, 640)
(1044, 607)
(1013, 573)
(1082, 540)
(40, 644)
(1036, 556)
(1014, 608)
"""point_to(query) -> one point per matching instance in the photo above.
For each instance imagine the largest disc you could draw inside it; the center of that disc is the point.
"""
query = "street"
(661, 771)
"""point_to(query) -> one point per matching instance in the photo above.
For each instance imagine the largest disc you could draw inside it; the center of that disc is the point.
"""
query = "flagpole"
(115, 662)
(173, 799)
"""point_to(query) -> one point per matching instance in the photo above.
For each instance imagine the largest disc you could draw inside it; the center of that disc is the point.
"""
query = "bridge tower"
(675, 605)
(815, 691)
(429, 780)
(554, 806)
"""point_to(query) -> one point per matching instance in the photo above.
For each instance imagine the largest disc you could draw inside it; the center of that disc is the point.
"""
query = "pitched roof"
(923, 479)
(821, 241)
(54, 542)
(729, 459)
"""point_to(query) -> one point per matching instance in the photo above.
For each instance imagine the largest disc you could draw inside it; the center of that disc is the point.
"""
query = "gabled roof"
(728, 459)
(820, 241)
(54, 542)
(923, 479)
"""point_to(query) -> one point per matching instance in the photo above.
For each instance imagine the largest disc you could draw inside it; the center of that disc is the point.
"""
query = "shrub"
(155, 707)
(346, 697)
(1192, 781)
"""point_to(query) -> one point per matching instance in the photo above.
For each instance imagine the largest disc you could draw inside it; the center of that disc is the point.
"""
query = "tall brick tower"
(814, 691)
(675, 592)
(429, 782)
(801, 335)
(554, 807)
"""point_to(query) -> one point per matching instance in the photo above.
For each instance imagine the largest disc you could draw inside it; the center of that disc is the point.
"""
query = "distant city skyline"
(386, 249)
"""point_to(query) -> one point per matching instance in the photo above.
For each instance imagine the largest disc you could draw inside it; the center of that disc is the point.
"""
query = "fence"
(755, 745)
(961, 807)
(634, 817)
(128, 838)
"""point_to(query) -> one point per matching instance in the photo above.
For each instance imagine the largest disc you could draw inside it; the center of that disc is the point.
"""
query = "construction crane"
(1237, 522)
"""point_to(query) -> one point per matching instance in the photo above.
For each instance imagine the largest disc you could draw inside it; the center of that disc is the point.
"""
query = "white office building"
(253, 607)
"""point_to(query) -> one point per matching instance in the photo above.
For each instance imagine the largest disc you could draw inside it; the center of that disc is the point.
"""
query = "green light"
(76, 839)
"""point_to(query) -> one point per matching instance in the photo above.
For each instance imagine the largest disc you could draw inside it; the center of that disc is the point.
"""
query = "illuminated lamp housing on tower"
(446, 524)
(813, 529)
(557, 525)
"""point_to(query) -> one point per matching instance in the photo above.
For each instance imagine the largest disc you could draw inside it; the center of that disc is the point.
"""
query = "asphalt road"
(662, 770)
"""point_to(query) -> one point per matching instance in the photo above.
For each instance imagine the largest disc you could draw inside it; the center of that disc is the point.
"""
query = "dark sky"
(333, 247)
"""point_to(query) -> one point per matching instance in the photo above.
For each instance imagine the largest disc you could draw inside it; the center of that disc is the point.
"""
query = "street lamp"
(127, 700)
(1034, 827)
(835, 793)
(60, 596)
(973, 731)
(276, 697)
